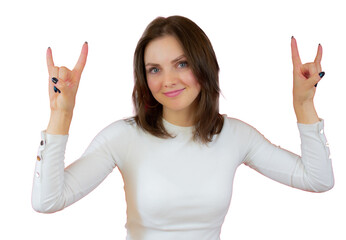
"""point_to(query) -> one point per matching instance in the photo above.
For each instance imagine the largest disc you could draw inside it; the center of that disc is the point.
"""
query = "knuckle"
(64, 69)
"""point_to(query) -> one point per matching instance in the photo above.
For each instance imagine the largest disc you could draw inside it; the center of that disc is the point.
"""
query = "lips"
(174, 93)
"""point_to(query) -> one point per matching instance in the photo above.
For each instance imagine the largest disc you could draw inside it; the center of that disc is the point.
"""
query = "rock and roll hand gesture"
(63, 86)
(305, 79)
(63, 83)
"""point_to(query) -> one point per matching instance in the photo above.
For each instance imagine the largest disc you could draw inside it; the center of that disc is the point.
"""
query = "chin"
(177, 107)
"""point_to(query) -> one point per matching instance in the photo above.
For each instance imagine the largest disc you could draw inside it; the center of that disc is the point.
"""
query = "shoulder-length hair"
(202, 60)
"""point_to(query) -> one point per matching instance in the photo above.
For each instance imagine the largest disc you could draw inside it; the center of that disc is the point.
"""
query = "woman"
(177, 155)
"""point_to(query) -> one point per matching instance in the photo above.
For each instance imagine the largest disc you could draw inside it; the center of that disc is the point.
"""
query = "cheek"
(192, 81)
(153, 85)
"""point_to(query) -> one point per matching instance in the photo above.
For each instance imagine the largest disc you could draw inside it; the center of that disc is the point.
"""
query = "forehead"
(162, 49)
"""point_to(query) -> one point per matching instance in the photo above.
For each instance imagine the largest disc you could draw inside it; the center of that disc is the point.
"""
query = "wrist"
(305, 112)
(306, 103)
(59, 123)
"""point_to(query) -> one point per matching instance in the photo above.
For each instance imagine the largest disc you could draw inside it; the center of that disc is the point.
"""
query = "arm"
(312, 171)
(56, 187)
(48, 191)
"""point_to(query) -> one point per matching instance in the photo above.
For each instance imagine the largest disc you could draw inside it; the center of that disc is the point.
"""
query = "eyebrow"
(173, 61)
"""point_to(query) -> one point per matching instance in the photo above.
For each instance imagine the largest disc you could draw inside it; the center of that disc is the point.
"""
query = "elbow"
(42, 209)
(37, 207)
(45, 207)
(326, 186)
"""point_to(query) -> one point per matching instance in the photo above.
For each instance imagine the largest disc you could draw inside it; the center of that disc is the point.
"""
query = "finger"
(50, 62)
(314, 79)
(82, 58)
(64, 74)
(54, 73)
(319, 54)
(56, 90)
(295, 54)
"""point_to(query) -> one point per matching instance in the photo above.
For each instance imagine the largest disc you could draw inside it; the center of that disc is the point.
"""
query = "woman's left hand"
(305, 76)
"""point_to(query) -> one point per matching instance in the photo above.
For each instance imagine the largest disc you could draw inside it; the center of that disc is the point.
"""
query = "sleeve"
(56, 187)
(312, 171)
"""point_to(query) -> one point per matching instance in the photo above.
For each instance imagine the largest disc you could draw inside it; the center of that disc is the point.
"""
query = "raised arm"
(312, 171)
(55, 187)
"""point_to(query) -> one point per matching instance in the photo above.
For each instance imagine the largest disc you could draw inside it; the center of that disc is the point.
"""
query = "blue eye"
(182, 64)
(154, 70)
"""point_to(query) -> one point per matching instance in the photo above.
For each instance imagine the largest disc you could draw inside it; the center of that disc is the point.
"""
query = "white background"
(252, 42)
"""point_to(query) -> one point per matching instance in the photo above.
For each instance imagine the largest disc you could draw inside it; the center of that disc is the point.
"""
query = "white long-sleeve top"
(176, 188)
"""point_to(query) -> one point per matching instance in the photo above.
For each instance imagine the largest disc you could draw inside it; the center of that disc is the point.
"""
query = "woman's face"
(170, 78)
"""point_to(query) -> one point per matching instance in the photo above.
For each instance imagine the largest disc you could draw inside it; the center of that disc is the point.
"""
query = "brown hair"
(202, 60)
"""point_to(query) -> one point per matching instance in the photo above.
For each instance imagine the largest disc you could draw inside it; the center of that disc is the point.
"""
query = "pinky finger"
(319, 54)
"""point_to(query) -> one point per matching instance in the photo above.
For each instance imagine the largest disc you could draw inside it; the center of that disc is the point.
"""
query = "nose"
(169, 79)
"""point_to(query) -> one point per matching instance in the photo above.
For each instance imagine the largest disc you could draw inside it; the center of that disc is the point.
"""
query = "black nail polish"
(56, 89)
(321, 74)
(55, 80)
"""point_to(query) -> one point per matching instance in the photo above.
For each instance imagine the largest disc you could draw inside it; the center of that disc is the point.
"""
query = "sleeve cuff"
(314, 127)
(59, 140)
(47, 138)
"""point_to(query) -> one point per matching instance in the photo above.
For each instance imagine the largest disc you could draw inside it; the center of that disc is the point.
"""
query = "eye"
(182, 64)
(153, 70)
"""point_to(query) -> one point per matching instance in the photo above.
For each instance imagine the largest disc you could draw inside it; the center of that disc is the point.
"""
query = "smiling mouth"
(173, 93)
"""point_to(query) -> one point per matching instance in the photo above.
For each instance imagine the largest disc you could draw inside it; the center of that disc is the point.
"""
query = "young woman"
(177, 155)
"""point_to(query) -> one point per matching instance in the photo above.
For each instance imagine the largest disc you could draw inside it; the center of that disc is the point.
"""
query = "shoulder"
(121, 129)
(239, 130)
(234, 124)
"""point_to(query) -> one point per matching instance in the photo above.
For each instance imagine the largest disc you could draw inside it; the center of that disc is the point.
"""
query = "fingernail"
(55, 80)
(56, 89)
(321, 74)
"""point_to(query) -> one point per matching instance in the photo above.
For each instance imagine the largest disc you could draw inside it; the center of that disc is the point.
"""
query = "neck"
(179, 118)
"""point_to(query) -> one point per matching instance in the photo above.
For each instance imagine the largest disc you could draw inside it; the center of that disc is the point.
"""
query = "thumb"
(314, 79)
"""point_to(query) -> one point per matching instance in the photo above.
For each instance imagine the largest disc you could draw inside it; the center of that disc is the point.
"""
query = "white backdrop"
(252, 42)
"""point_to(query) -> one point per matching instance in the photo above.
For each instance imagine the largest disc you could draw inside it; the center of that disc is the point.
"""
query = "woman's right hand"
(62, 94)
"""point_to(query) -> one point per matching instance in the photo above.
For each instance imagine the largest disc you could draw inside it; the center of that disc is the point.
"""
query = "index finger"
(82, 58)
(295, 54)
(319, 54)
(49, 57)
